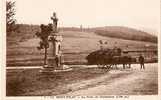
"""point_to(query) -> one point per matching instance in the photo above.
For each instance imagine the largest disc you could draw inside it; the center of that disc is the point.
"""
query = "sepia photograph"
(93, 48)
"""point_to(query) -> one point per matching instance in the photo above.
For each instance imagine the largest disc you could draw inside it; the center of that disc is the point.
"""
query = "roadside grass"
(32, 82)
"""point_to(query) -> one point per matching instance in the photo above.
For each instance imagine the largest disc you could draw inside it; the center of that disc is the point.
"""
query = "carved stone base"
(48, 69)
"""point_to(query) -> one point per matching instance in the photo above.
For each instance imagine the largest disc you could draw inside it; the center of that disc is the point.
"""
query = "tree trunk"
(45, 56)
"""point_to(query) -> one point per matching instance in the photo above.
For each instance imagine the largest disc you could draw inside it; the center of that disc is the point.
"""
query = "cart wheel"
(108, 66)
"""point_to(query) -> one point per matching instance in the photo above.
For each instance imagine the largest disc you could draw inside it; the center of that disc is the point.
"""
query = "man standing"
(141, 61)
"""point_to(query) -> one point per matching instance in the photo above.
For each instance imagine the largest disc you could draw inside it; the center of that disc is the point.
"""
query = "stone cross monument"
(54, 50)
(54, 56)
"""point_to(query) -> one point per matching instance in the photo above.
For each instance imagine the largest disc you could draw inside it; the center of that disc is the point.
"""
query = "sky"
(141, 14)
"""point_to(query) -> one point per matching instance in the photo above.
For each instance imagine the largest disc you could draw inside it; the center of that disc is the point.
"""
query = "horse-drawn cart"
(109, 58)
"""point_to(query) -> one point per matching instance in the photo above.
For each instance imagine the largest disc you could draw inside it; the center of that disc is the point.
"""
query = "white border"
(3, 63)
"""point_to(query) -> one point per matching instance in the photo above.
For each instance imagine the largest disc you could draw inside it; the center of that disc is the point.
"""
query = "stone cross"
(54, 50)
(55, 21)
(54, 60)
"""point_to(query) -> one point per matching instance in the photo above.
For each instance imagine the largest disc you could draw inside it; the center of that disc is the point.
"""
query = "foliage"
(10, 20)
(43, 35)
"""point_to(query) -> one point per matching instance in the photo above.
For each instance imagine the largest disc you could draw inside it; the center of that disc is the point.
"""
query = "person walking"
(141, 61)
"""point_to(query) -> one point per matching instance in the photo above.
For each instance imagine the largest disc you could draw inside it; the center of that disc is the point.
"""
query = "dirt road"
(84, 81)
(120, 82)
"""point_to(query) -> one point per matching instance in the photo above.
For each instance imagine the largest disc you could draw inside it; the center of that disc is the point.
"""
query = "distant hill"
(117, 32)
(125, 33)
(29, 31)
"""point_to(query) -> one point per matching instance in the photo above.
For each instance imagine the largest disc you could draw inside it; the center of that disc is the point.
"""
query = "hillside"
(125, 33)
(22, 50)
(117, 32)
(28, 31)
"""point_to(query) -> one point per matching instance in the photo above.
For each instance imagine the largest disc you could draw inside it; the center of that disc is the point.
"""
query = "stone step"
(55, 69)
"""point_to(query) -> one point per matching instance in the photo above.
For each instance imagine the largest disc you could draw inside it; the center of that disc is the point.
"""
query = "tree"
(43, 35)
(10, 20)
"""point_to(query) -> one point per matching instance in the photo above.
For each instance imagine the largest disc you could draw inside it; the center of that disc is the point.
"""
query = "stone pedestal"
(54, 56)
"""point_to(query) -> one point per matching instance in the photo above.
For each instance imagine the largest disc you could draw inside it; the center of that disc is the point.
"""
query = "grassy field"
(22, 51)
(31, 82)
(84, 81)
